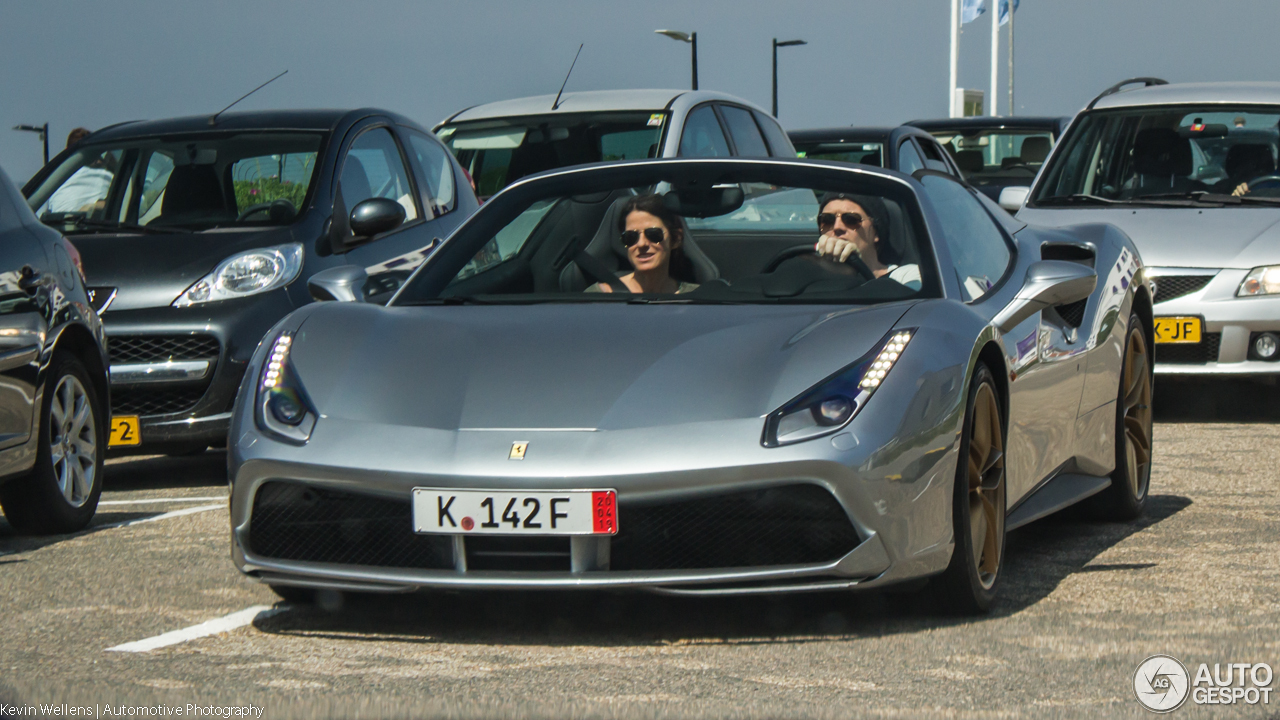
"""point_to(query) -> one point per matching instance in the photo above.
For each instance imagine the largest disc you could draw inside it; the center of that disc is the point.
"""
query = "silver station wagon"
(1188, 171)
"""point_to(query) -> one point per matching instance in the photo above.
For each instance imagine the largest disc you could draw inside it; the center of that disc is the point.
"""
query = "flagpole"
(955, 58)
(1012, 12)
(995, 57)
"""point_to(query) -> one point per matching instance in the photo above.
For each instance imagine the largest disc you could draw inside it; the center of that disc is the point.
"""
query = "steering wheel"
(799, 250)
(278, 209)
(1270, 181)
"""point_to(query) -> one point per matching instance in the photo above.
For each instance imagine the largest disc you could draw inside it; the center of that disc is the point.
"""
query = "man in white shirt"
(856, 224)
(87, 187)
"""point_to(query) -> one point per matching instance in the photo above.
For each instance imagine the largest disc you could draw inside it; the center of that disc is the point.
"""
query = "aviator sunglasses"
(654, 235)
(827, 221)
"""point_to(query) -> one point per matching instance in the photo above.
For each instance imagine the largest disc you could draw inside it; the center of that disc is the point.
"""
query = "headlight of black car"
(282, 408)
(832, 403)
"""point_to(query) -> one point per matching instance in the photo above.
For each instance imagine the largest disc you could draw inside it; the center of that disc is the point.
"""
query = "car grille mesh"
(136, 401)
(292, 521)
(1169, 287)
(792, 524)
(160, 348)
(1205, 351)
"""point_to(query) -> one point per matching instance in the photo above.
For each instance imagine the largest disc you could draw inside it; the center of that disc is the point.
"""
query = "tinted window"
(702, 135)
(909, 160)
(978, 248)
(864, 153)
(746, 136)
(374, 168)
(933, 156)
(997, 156)
(778, 141)
(433, 160)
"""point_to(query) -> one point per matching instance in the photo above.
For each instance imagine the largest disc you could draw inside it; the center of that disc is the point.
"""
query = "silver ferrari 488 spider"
(701, 377)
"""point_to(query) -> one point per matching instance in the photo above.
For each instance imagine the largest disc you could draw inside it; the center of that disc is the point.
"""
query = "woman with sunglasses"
(855, 224)
(651, 235)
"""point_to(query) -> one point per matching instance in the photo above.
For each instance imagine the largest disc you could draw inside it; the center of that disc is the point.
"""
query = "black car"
(902, 148)
(199, 233)
(53, 377)
(995, 152)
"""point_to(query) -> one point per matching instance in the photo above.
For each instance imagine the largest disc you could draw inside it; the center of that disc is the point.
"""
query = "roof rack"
(1146, 82)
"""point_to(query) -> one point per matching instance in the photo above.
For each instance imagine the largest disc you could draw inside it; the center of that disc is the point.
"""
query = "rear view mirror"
(696, 202)
(1014, 197)
(344, 283)
(376, 215)
(1049, 283)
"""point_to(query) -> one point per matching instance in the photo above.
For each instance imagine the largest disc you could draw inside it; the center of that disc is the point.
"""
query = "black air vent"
(161, 348)
(1169, 287)
(1205, 351)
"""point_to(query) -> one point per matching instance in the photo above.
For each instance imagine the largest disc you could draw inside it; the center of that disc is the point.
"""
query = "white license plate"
(525, 512)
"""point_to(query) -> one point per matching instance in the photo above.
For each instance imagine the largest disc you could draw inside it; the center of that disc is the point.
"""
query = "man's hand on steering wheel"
(838, 249)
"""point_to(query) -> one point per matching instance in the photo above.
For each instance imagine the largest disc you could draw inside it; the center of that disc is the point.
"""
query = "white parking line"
(162, 500)
(223, 624)
(163, 516)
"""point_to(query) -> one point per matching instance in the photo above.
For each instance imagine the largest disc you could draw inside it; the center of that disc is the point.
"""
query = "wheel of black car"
(968, 585)
(61, 493)
(1126, 498)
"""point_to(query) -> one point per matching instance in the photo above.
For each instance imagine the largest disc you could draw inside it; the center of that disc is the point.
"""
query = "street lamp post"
(692, 39)
(42, 131)
(776, 45)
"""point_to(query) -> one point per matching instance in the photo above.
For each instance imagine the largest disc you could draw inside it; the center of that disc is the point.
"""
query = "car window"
(933, 159)
(433, 160)
(779, 144)
(374, 168)
(979, 252)
(702, 135)
(909, 160)
(851, 152)
(261, 180)
(82, 183)
(746, 136)
(997, 156)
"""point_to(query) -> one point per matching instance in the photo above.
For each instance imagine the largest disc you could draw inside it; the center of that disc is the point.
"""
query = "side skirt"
(1061, 491)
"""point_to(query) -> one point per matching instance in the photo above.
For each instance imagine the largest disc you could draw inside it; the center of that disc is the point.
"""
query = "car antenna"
(556, 104)
(213, 119)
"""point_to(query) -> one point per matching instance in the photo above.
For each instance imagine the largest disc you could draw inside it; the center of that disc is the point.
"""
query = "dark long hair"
(679, 266)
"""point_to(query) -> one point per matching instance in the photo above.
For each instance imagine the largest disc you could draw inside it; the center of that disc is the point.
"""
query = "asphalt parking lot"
(1082, 604)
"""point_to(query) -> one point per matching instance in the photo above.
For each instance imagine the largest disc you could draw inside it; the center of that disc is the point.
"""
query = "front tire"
(968, 585)
(1126, 497)
(60, 495)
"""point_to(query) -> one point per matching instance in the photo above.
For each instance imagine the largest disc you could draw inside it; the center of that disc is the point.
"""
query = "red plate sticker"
(604, 512)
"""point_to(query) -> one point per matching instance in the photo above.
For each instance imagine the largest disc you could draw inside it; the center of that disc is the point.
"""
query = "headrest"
(1035, 149)
(1249, 159)
(1161, 151)
(355, 182)
(970, 161)
(193, 189)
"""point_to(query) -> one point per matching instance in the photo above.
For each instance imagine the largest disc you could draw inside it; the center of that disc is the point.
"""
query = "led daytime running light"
(883, 363)
(273, 374)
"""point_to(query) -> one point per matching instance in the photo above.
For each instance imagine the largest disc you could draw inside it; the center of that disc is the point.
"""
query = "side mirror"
(1014, 197)
(1049, 283)
(376, 215)
(344, 283)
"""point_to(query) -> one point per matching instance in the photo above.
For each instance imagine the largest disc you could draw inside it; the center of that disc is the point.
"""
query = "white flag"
(971, 9)
(1004, 10)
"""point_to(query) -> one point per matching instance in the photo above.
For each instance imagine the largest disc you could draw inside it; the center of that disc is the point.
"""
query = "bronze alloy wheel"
(968, 585)
(1126, 498)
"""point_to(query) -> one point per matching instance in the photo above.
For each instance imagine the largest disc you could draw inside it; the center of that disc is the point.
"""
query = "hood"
(152, 270)
(603, 366)
(1230, 237)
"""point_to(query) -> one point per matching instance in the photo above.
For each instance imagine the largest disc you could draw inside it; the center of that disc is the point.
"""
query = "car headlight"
(282, 407)
(1263, 280)
(832, 403)
(246, 273)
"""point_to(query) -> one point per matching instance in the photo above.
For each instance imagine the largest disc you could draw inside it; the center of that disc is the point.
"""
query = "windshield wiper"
(131, 227)
(1197, 196)
(1075, 199)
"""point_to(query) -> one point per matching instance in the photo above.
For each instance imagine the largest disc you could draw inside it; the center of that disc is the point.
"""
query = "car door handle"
(29, 279)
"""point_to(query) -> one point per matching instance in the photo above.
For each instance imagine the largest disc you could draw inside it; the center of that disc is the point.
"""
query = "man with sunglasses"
(855, 224)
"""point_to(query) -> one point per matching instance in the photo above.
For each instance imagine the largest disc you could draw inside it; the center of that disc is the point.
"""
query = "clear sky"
(868, 62)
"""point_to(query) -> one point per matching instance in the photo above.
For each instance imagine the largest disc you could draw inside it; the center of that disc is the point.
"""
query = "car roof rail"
(1146, 82)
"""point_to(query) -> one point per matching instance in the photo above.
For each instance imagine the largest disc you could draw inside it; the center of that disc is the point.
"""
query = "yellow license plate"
(1177, 330)
(125, 430)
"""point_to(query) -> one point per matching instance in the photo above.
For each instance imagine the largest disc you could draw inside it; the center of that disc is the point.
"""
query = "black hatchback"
(53, 377)
(199, 233)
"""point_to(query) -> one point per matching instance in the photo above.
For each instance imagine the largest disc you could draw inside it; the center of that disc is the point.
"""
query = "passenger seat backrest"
(1035, 149)
(1162, 152)
(1249, 159)
(970, 161)
(193, 190)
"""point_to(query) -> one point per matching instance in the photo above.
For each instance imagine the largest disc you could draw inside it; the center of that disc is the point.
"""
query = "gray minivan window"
(702, 135)
(979, 252)
(746, 136)
(909, 160)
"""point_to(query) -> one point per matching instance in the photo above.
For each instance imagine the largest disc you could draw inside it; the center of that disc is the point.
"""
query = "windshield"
(1126, 155)
(999, 156)
(189, 183)
(498, 152)
(647, 237)
(865, 153)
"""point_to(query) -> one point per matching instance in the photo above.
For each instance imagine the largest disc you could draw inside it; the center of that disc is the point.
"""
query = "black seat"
(1162, 160)
(1035, 149)
(194, 193)
(606, 247)
(970, 161)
